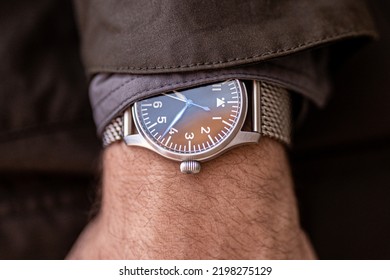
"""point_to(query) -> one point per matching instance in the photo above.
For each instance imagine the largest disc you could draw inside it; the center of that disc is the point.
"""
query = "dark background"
(341, 160)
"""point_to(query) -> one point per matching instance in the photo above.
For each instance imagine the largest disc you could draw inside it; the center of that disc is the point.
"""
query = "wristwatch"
(198, 124)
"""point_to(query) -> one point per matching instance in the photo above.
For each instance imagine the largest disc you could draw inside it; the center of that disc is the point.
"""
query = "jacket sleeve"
(144, 37)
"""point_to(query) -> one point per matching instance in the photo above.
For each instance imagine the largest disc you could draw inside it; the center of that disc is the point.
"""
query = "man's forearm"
(240, 206)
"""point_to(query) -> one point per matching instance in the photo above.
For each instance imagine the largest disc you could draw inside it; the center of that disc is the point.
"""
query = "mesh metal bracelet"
(275, 116)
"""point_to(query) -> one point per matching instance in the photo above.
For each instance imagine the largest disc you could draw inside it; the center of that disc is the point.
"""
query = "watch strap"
(113, 131)
(274, 122)
(275, 111)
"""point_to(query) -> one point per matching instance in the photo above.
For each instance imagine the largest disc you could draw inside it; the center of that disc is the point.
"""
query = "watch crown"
(190, 167)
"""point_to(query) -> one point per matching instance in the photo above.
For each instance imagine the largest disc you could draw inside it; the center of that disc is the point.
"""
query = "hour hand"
(191, 103)
(181, 97)
(199, 106)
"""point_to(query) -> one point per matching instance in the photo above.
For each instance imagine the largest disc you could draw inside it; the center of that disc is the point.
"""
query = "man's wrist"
(240, 206)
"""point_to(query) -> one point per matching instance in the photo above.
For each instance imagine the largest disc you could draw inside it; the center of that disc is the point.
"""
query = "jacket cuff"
(304, 73)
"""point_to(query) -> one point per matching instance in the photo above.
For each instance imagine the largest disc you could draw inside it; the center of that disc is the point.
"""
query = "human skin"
(240, 206)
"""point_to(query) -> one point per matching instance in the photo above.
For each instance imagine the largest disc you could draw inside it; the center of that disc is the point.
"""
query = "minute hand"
(176, 119)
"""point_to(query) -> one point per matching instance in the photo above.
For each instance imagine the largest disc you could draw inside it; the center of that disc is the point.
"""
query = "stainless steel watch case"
(133, 135)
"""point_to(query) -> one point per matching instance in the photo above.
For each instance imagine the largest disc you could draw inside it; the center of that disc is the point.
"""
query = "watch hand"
(191, 103)
(180, 95)
(174, 97)
(197, 105)
(176, 119)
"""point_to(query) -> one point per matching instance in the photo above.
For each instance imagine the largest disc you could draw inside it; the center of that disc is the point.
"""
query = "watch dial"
(192, 121)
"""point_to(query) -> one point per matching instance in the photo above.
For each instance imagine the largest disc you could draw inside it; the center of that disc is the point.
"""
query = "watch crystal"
(192, 121)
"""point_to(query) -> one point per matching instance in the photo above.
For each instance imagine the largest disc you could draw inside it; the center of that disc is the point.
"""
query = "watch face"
(193, 123)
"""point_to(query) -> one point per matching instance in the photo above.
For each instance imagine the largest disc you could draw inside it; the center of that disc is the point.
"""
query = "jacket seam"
(345, 34)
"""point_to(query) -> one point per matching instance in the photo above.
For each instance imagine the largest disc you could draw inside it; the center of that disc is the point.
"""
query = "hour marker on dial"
(221, 102)
(216, 87)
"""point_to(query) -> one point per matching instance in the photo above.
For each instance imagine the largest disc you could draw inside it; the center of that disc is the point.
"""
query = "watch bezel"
(203, 155)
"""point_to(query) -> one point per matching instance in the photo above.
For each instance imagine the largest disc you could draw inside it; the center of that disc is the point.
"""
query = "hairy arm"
(240, 206)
